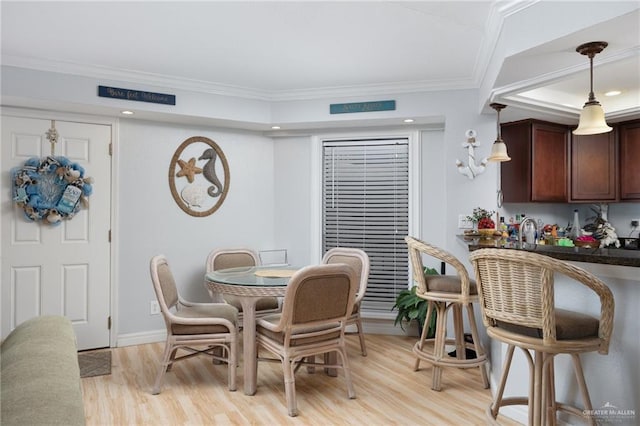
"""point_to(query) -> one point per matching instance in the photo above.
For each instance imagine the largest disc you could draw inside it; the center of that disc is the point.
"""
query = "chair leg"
(536, 406)
(582, 385)
(439, 343)
(363, 347)
(458, 330)
(311, 369)
(347, 372)
(423, 334)
(232, 358)
(495, 407)
(167, 357)
(290, 385)
(550, 407)
(172, 358)
(477, 345)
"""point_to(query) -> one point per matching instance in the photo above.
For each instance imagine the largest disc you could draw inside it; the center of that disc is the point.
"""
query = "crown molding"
(513, 89)
(163, 81)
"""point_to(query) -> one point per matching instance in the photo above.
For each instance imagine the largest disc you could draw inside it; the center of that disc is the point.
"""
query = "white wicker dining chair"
(191, 325)
(234, 258)
(317, 305)
(519, 308)
(359, 261)
(446, 293)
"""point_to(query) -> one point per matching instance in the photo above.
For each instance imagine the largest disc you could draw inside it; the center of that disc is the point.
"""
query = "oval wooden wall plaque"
(199, 176)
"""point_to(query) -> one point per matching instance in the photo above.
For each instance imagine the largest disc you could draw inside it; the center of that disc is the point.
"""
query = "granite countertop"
(609, 256)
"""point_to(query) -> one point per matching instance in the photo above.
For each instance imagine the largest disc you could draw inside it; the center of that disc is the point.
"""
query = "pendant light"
(498, 149)
(592, 120)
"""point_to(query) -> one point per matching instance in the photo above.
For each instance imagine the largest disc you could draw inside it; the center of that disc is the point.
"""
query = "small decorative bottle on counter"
(575, 226)
(503, 228)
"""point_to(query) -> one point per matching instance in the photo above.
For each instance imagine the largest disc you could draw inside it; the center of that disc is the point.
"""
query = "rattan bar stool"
(444, 293)
(518, 308)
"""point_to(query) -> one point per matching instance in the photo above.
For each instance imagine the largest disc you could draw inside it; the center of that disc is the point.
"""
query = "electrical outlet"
(635, 223)
(463, 222)
(154, 308)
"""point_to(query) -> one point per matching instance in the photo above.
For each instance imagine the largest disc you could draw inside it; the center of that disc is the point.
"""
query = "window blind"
(366, 206)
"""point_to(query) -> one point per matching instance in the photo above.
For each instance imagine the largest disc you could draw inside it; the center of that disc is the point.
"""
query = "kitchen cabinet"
(629, 139)
(539, 166)
(593, 168)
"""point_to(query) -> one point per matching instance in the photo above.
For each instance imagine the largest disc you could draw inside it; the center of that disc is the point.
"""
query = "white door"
(63, 269)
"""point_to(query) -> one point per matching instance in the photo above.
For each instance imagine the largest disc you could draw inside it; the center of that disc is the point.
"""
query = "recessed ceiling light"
(613, 93)
(275, 127)
(408, 120)
(126, 112)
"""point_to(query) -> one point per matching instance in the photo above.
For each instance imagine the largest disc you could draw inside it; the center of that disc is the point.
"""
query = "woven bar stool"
(518, 308)
(444, 293)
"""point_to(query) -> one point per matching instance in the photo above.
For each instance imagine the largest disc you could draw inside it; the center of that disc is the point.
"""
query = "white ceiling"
(299, 49)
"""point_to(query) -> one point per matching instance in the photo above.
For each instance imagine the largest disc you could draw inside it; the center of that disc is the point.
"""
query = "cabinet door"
(630, 161)
(549, 165)
(515, 175)
(593, 173)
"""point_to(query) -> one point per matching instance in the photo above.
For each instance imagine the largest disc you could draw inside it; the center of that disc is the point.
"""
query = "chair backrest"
(357, 259)
(416, 249)
(318, 294)
(517, 287)
(231, 258)
(163, 284)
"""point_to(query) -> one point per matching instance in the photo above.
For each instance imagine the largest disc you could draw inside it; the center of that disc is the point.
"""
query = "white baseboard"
(370, 325)
(142, 338)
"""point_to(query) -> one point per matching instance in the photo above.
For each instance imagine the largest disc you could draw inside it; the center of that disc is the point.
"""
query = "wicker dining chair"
(518, 308)
(317, 305)
(359, 261)
(444, 293)
(235, 258)
(191, 325)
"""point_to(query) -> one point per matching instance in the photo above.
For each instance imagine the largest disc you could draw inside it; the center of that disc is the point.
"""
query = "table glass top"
(259, 276)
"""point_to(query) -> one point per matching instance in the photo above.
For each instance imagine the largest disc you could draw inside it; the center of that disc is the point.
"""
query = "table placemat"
(275, 273)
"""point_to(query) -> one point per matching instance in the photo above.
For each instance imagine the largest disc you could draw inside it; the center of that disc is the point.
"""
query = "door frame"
(113, 249)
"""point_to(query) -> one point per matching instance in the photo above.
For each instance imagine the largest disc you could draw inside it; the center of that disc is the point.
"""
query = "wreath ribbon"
(52, 189)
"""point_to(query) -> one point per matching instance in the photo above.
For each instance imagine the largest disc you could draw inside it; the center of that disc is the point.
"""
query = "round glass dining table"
(250, 284)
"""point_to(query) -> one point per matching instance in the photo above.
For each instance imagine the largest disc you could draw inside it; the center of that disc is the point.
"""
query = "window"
(365, 197)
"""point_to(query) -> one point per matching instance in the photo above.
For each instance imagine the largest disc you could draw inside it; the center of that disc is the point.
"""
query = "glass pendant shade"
(499, 148)
(592, 120)
(499, 152)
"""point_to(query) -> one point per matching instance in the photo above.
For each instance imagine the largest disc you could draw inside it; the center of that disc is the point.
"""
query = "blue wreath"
(50, 189)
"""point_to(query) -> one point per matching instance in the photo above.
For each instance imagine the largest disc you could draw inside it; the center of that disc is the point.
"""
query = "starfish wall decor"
(205, 187)
(188, 169)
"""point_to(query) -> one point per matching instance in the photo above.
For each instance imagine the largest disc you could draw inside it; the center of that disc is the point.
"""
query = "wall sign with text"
(136, 95)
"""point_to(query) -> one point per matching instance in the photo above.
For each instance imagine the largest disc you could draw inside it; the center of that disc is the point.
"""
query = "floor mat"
(95, 363)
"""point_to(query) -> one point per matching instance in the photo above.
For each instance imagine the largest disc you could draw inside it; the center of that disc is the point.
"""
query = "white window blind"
(366, 206)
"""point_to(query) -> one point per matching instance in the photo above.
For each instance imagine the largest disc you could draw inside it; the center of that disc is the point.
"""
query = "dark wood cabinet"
(629, 140)
(539, 166)
(593, 168)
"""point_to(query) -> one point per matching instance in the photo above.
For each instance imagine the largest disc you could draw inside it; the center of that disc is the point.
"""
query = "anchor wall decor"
(471, 170)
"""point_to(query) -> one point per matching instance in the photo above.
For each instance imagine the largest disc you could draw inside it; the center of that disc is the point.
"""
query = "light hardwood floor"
(388, 392)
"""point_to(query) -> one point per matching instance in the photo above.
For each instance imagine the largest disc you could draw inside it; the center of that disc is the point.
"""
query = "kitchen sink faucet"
(523, 222)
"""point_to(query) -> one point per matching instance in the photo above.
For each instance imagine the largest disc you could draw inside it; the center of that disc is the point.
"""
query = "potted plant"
(411, 307)
(482, 219)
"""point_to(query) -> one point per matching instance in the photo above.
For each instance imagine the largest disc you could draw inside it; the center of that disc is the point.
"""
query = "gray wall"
(150, 222)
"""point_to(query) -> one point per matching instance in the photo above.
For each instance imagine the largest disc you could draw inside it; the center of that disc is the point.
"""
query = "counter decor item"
(483, 222)
(587, 241)
(601, 229)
